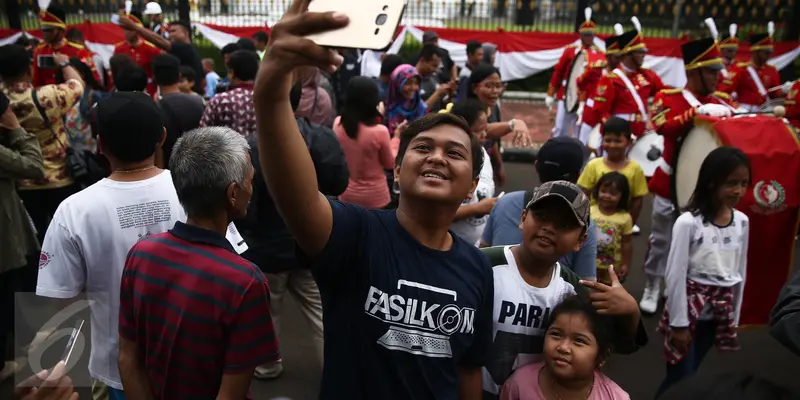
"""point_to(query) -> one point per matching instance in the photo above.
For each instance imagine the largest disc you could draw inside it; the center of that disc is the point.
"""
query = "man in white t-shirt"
(93, 230)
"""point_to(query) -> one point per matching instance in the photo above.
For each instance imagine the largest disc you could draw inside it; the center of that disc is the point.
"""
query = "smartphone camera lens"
(381, 19)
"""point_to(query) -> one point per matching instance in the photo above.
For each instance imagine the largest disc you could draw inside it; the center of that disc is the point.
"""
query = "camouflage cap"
(570, 193)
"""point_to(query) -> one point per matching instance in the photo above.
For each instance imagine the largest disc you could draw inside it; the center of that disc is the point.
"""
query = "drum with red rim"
(770, 202)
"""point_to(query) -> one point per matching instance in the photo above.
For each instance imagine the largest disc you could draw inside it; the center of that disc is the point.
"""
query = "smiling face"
(410, 88)
(437, 166)
(570, 348)
(608, 196)
(489, 90)
(615, 145)
(550, 229)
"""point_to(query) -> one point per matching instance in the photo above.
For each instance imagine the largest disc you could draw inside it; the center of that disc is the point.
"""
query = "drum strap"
(635, 94)
(757, 80)
(689, 97)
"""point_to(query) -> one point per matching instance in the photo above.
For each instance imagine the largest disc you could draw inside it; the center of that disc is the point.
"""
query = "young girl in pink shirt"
(576, 344)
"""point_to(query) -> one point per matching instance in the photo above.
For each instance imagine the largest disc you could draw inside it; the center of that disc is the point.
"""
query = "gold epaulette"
(119, 43)
(611, 74)
(599, 64)
(742, 63)
(41, 45)
(75, 45)
(149, 44)
(722, 95)
(671, 91)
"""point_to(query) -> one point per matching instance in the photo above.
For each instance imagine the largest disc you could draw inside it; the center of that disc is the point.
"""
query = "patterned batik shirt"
(232, 109)
(56, 100)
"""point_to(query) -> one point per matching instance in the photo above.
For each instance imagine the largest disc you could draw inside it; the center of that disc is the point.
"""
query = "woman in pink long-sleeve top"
(367, 144)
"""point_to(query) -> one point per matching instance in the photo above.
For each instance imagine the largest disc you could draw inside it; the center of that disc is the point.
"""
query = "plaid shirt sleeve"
(252, 339)
(127, 322)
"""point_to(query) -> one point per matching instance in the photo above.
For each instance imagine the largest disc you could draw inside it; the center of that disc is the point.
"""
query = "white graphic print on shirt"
(417, 326)
(520, 314)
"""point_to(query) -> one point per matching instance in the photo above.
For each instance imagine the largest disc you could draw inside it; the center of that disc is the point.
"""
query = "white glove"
(714, 110)
(580, 114)
(549, 101)
(786, 87)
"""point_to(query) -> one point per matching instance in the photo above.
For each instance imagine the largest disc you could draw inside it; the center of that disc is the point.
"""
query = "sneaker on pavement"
(649, 302)
(636, 229)
(269, 371)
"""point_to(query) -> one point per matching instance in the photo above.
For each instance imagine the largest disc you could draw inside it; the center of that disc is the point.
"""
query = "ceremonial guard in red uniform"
(565, 121)
(624, 92)
(53, 26)
(587, 83)
(672, 114)
(728, 46)
(753, 83)
(141, 51)
(792, 104)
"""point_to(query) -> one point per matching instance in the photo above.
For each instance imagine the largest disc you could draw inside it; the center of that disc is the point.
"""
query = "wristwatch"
(511, 125)
(63, 64)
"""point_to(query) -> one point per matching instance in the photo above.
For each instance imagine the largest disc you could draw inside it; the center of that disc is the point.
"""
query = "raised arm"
(285, 161)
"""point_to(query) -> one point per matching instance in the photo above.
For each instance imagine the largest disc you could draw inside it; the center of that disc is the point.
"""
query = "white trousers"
(663, 217)
(565, 122)
(585, 130)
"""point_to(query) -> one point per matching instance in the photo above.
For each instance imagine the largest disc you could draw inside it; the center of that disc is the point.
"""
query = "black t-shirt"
(182, 112)
(399, 317)
(189, 57)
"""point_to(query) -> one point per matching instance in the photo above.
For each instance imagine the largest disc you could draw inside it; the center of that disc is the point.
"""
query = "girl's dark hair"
(478, 75)
(617, 126)
(361, 102)
(621, 182)
(469, 109)
(598, 324)
(715, 170)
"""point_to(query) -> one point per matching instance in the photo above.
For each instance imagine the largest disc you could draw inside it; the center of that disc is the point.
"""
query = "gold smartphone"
(372, 26)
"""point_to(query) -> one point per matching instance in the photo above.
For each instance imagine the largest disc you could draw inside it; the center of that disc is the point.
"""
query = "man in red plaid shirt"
(194, 319)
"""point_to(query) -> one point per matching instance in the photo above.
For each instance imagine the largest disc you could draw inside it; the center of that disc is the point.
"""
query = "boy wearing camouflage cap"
(529, 282)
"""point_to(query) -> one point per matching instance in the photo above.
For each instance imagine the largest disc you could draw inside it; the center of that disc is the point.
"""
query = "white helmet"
(152, 8)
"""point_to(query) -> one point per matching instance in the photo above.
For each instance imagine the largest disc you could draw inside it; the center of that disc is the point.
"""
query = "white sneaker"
(636, 229)
(269, 371)
(649, 302)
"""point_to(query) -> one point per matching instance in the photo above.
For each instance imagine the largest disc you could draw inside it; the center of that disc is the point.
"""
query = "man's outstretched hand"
(289, 49)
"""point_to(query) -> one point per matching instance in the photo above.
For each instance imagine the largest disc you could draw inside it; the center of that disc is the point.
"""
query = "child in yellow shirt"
(614, 225)
(616, 141)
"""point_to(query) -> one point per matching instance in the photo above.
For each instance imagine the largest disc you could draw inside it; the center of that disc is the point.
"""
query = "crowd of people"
(187, 206)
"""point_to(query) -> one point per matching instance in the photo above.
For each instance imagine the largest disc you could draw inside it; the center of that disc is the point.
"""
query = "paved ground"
(639, 373)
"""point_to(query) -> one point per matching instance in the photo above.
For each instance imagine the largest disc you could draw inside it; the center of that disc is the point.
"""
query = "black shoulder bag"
(83, 170)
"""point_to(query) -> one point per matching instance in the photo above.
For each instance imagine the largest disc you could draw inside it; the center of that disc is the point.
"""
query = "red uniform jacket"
(613, 98)
(43, 77)
(673, 117)
(740, 84)
(792, 104)
(589, 116)
(142, 54)
(558, 82)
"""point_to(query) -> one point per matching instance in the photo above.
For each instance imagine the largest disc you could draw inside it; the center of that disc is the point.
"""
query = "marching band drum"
(571, 93)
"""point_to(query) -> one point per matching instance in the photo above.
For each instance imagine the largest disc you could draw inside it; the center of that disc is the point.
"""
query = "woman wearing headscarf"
(403, 102)
(486, 86)
(316, 104)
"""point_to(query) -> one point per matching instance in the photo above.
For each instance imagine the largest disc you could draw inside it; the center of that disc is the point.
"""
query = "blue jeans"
(115, 394)
(702, 341)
